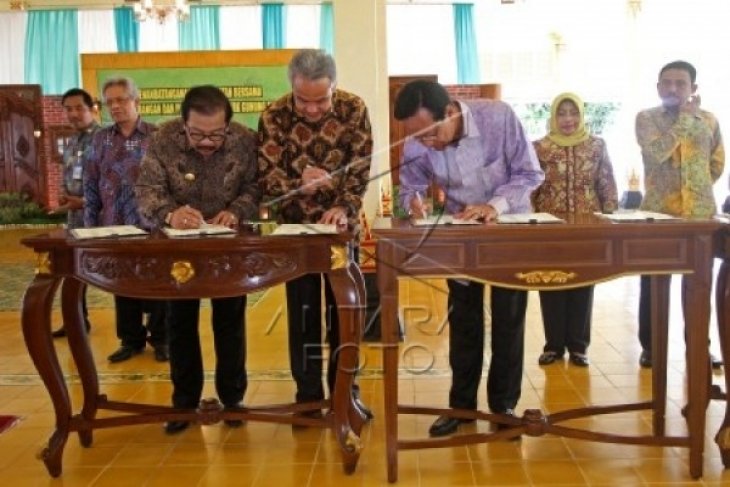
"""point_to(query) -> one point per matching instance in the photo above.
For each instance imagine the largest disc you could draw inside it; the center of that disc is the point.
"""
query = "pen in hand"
(421, 206)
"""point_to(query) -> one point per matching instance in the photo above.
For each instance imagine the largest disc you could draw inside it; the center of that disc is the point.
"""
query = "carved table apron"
(162, 268)
(584, 250)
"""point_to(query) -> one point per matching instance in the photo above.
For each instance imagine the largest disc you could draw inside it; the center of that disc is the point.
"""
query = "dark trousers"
(304, 308)
(645, 313)
(186, 358)
(130, 328)
(566, 317)
(645, 310)
(466, 345)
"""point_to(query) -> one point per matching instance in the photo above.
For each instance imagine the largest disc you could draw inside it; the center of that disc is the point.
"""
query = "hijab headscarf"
(581, 133)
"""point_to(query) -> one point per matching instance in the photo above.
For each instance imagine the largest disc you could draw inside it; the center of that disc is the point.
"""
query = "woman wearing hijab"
(578, 179)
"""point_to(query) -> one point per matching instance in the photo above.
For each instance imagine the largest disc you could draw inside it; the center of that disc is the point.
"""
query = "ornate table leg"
(722, 301)
(350, 308)
(696, 295)
(388, 287)
(72, 292)
(660, 340)
(36, 322)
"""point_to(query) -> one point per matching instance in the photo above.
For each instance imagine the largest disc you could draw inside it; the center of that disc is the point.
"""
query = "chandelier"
(161, 11)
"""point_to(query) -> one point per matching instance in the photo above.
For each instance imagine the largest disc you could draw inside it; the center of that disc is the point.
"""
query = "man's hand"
(336, 215)
(186, 217)
(224, 218)
(478, 212)
(692, 105)
(314, 178)
(418, 207)
(74, 202)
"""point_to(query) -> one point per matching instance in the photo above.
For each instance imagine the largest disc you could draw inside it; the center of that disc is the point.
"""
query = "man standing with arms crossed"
(683, 156)
(315, 145)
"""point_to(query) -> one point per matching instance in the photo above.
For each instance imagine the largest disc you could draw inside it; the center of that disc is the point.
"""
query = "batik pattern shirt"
(74, 159)
(111, 173)
(493, 163)
(578, 179)
(340, 143)
(683, 156)
(174, 174)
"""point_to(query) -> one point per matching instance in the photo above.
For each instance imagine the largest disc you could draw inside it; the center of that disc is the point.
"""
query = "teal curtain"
(201, 31)
(467, 62)
(52, 50)
(326, 28)
(126, 30)
(273, 25)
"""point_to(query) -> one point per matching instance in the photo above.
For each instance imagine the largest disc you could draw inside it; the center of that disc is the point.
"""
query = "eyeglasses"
(216, 136)
(117, 101)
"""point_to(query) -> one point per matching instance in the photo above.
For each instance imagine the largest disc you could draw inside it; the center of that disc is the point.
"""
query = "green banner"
(250, 89)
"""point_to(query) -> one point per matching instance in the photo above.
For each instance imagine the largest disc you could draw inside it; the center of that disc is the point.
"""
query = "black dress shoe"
(548, 357)
(362, 407)
(579, 359)
(175, 427)
(645, 359)
(61, 332)
(316, 414)
(162, 353)
(715, 361)
(502, 426)
(446, 425)
(125, 352)
(233, 423)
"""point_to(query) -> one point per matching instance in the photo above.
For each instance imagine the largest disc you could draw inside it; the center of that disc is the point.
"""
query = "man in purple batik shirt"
(109, 178)
(478, 153)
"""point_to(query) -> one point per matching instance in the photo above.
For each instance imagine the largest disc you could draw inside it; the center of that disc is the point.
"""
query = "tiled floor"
(261, 454)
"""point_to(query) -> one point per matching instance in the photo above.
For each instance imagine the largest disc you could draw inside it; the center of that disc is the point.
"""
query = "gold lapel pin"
(189, 177)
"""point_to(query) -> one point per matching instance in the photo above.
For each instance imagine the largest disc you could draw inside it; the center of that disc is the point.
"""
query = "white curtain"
(12, 47)
(240, 27)
(302, 26)
(154, 37)
(96, 31)
(421, 41)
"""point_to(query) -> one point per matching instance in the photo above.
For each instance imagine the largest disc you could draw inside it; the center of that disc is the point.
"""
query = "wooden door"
(20, 123)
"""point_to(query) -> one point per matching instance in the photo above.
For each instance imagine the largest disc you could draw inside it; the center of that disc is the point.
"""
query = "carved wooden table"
(584, 250)
(158, 267)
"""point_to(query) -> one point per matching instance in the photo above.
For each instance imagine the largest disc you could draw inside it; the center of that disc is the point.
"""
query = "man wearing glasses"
(314, 156)
(109, 178)
(478, 152)
(201, 168)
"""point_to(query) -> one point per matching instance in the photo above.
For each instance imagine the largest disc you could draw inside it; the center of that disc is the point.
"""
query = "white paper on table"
(529, 218)
(112, 231)
(305, 229)
(635, 216)
(443, 220)
(203, 230)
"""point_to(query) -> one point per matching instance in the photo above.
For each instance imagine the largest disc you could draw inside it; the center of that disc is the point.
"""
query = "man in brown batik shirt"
(314, 154)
